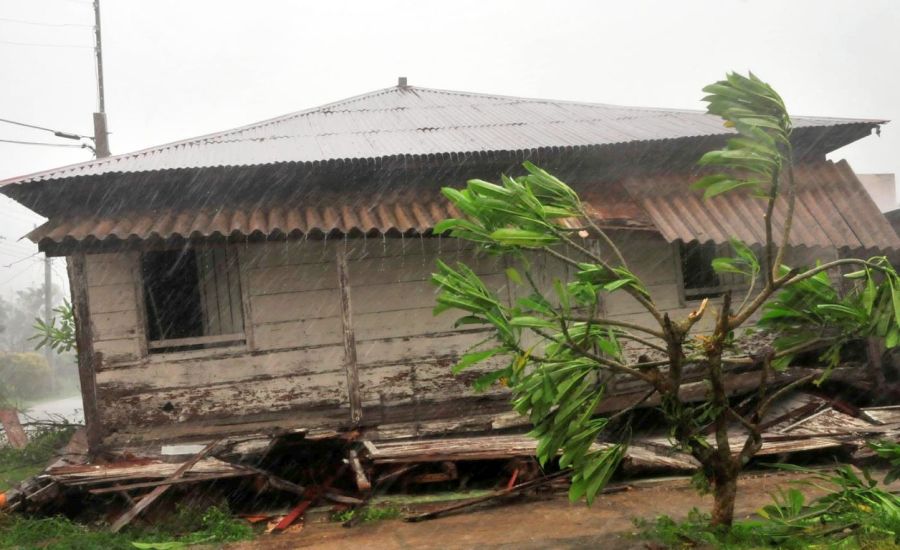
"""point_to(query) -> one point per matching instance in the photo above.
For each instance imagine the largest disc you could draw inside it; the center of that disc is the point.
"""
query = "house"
(275, 276)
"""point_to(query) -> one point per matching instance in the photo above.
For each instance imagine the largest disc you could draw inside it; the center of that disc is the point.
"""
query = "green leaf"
(513, 275)
(522, 237)
(528, 321)
(471, 358)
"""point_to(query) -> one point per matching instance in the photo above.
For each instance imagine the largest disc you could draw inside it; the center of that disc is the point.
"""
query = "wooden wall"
(291, 373)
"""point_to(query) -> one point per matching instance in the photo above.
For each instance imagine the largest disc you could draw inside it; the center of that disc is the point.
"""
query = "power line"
(40, 24)
(17, 142)
(20, 260)
(43, 45)
(58, 133)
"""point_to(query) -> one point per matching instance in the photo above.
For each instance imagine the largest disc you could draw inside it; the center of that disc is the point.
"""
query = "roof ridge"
(421, 107)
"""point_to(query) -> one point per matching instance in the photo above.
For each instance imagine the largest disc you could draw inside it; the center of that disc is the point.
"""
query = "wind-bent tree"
(561, 351)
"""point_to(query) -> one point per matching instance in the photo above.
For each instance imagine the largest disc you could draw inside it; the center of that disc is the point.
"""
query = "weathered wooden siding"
(404, 351)
(291, 366)
(290, 372)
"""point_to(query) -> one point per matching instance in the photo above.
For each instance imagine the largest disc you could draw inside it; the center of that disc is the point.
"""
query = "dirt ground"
(531, 524)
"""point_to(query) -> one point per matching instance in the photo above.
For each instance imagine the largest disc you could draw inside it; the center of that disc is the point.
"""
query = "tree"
(559, 352)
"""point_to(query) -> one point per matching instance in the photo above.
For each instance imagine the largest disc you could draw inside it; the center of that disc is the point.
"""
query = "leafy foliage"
(758, 113)
(557, 353)
(813, 311)
(56, 333)
(854, 513)
(889, 451)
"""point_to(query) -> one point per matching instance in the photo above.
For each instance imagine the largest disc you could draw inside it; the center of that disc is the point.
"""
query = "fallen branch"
(502, 493)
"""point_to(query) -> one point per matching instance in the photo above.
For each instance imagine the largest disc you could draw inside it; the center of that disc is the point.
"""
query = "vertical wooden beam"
(350, 364)
(84, 342)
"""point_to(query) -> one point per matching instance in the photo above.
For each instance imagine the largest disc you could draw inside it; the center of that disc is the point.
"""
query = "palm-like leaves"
(754, 159)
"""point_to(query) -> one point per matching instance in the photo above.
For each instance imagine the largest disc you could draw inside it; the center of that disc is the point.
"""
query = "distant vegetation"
(25, 375)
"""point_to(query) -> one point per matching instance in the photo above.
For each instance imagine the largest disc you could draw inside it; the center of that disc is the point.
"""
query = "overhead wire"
(20, 260)
(44, 45)
(46, 144)
(41, 24)
(59, 133)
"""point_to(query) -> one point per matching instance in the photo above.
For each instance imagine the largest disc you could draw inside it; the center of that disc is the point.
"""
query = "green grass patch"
(19, 464)
(187, 527)
(855, 514)
(368, 514)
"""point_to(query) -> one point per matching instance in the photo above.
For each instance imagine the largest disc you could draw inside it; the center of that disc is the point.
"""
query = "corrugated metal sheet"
(403, 213)
(832, 209)
(412, 121)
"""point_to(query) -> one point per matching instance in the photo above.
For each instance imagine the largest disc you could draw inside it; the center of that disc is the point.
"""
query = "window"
(192, 298)
(699, 280)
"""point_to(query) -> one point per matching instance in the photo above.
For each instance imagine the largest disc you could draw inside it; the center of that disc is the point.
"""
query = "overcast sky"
(177, 69)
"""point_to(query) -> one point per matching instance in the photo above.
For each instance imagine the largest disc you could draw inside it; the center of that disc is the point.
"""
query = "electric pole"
(48, 314)
(101, 135)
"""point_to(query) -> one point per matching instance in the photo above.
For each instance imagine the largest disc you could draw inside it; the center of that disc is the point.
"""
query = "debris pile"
(280, 478)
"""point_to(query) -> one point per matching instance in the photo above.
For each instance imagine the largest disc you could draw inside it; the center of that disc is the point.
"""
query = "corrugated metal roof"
(413, 121)
(832, 209)
(401, 213)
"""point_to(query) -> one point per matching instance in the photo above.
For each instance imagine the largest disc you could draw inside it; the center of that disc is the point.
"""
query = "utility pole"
(48, 314)
(101, 135)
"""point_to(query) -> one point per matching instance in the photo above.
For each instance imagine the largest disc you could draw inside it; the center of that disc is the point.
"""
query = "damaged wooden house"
(276, 276)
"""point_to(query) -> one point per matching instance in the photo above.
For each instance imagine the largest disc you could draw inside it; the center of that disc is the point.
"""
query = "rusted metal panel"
(413, 122)
(833, 210)
(414, 212)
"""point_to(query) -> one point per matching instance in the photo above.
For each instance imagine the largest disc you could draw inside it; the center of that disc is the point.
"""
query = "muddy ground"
(531, 524)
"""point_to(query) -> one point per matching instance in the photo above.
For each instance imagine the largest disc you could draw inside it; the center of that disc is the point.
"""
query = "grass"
(187, 527)
(369, 514)
(855, 513)
(19, 464)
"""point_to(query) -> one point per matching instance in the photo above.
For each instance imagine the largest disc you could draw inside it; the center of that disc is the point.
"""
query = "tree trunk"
(724, 493)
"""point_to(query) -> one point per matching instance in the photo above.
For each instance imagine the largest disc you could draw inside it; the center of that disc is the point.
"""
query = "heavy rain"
(398, 274)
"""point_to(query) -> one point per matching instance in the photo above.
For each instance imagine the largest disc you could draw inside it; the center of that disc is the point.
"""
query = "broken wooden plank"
(170, 481)
(142, 505)
(362, 482)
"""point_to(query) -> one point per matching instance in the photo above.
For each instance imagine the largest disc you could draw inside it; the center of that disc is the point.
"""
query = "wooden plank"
(231, 368)
(112, 298)
(123, 350)
(84, 344)
(149, 499)
(302, 333)
(292, 278)
(350, 363)
(296, 306)
(234, 403)
(395, 350)
(196, 340)
(109, 269)
(116, 325)
(402, 323)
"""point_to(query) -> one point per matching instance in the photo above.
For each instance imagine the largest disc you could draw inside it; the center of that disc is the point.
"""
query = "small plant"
(57, 333)
(854, 513)
(890, 451)
(368, 514)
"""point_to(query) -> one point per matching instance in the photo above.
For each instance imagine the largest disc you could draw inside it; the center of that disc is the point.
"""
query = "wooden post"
(84, 343)
(349, 337)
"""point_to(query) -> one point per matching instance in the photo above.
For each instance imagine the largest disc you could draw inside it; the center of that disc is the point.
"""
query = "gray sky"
(177, 69)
